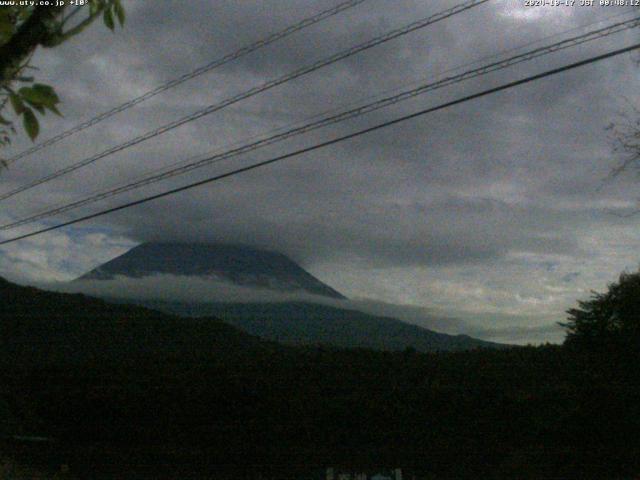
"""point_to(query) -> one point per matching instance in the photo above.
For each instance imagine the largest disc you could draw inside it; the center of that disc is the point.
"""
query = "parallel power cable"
(254, 91)
(342, 116)
(335, 109)
(291, 29)
(333, 141)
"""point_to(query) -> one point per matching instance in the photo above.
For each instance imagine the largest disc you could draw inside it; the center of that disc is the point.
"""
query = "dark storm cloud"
(434, 233)
(511, 176)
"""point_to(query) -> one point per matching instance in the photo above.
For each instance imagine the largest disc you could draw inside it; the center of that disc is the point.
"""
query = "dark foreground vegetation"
(124, 392)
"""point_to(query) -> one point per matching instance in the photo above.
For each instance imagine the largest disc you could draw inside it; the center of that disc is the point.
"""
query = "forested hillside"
(222, 402)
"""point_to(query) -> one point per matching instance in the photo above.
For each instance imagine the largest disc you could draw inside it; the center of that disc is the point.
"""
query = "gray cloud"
(178, 288)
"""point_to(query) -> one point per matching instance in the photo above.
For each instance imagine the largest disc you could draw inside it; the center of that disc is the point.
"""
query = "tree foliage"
(608, 319)
(22, 30)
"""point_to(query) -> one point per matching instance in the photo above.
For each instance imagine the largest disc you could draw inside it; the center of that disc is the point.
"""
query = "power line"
(254, 91)
(342, 116)
(333, 119)
(188, 76)
(333, 141)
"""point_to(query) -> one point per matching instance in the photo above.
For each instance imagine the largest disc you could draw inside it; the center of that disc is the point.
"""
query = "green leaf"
(108, 19)
(39, 108)
(45, 90)
(7, 24)
(29, 95)
(6, 14)
(119, 9)
(4, 121)
(24, 13)
(16, 103)
(54, 109)
(93, 7)
(7, 30)
(31, 124)
(39, 96)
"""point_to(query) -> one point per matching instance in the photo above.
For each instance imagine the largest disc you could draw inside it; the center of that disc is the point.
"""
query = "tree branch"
(71, 15)
(33, 32)
(61, 37)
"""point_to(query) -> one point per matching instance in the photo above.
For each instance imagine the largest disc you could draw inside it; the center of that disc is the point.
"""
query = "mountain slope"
(289, 322)
(302, 323)
(46, 328)
(241, 265)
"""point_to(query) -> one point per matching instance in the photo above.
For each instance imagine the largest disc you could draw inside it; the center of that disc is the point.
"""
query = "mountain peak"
(239, 264)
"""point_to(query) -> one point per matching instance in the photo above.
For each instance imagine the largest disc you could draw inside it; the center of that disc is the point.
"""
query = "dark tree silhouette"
(608, 319)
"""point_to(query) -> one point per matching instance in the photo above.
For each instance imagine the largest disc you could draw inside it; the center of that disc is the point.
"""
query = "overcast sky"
(496, 212)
